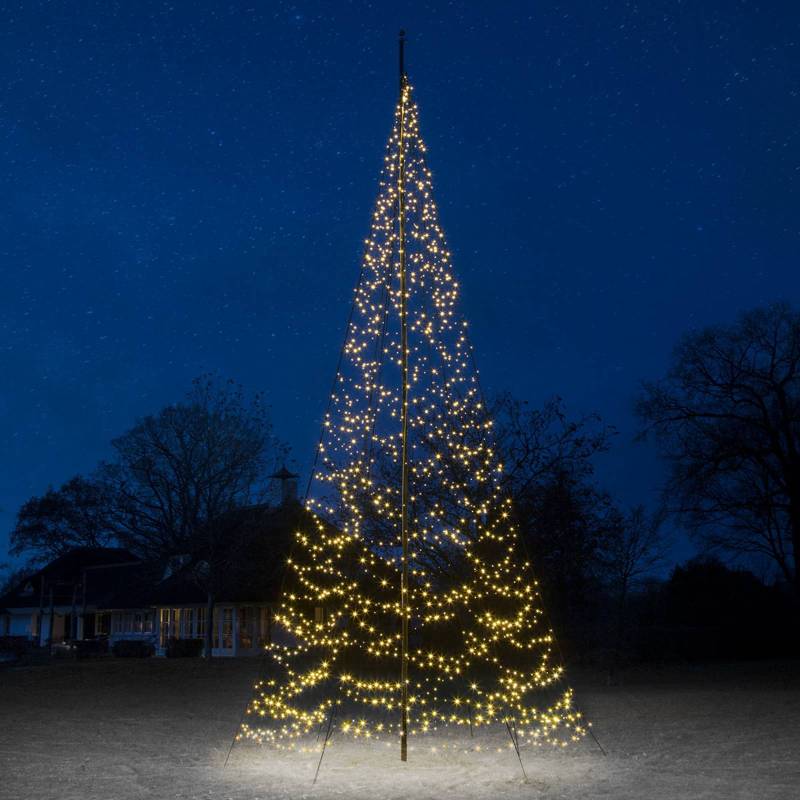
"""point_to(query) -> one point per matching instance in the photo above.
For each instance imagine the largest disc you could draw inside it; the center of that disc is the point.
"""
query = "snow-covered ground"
(161, 729)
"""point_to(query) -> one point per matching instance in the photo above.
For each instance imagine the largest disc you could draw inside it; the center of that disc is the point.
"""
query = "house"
(80, 595)
(241, 623)
(246, 586)
(107, 594)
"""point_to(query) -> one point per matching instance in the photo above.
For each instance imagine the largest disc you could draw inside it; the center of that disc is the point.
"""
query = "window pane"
(102, 624)
(164, 631)
(227, 628)
(246, 619)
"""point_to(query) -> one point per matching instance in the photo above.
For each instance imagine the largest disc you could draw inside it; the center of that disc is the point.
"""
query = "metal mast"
(404, 605)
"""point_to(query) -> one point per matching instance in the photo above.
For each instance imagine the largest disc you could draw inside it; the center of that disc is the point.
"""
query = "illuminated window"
(102, 623)
(247, 621)
(227, 628)
(164, 628)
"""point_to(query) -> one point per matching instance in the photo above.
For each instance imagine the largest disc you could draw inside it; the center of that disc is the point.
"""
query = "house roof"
(97, 576)
(114, 578)
(123, 586)
(255, 575)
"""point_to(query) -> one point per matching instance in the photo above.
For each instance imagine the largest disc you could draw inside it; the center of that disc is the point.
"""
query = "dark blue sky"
(186, 185)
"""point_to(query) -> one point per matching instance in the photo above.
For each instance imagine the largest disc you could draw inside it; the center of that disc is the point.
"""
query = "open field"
(160, 729)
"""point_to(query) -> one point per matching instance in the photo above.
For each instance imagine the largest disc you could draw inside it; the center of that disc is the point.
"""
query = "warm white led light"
(480, 650)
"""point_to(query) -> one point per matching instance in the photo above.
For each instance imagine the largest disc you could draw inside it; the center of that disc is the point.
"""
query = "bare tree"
(727, 417)
(75, 515)
(632, 553)
(636, 551)
(179, 475)
(537, 443)
(563, 517)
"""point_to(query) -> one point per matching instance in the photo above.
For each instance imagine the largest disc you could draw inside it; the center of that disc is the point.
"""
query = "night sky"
(186, 186)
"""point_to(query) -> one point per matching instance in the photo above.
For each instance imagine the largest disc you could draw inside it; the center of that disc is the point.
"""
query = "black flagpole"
(404, 410)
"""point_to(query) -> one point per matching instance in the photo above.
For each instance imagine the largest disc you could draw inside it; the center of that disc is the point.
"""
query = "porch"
(237, 629)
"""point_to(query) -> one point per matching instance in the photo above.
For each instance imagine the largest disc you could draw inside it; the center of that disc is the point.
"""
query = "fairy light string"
(480, 649)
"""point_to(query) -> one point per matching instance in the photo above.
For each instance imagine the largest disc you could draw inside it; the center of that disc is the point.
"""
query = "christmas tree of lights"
(409, 602)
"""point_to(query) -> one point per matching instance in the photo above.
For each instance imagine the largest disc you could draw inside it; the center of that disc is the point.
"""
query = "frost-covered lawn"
(160, 729)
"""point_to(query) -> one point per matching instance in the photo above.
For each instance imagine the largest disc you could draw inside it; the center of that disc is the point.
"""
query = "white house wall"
(261, 628)
(21, 624)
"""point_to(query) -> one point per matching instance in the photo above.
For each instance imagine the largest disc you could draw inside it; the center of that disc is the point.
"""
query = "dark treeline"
(726, 418)
(604, 571)
(704, 610)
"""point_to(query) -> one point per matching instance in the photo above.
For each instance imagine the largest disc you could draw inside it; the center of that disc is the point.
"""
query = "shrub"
(91, 648)
(184, 648)
(15, 646)
(133, 648)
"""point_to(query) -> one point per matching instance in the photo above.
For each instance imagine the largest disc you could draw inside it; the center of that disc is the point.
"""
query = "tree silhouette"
(75, 515)
(727, 417)
(179, 476)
